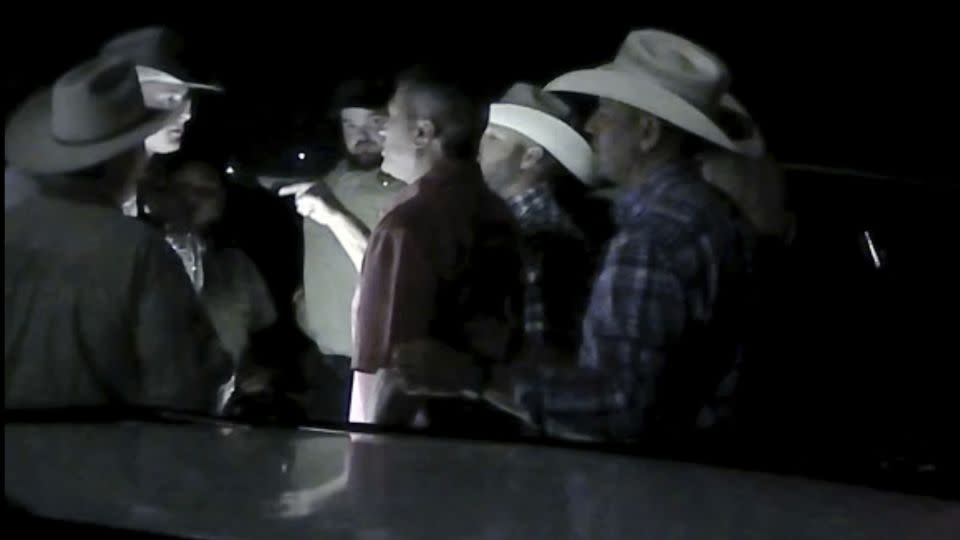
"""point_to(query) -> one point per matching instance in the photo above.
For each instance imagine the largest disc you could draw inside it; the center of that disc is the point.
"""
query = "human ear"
(424, 132)
(649, 129)
(531, 156)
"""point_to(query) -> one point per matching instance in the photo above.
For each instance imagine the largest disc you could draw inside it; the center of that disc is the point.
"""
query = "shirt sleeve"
(637, 308)
(396, 301)
(182, 361)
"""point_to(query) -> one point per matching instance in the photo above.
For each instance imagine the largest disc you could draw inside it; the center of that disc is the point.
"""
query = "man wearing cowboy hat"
(166, 84)
(661, 331)
(527, 148)
(98, 310)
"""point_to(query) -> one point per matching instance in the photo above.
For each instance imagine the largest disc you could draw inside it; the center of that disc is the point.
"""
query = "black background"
(865, 90)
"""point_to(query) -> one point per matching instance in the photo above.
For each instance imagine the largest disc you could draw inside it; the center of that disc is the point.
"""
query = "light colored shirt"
(329, 277)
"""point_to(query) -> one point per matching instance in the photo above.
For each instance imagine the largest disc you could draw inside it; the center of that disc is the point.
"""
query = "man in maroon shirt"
(443, 264)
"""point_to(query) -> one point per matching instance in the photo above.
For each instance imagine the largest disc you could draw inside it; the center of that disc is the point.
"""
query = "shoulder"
(416, 216)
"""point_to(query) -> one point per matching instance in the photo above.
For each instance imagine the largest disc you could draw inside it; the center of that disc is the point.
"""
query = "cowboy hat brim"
(555, 136)
(645, 93)
(146, 74)
(29, 142)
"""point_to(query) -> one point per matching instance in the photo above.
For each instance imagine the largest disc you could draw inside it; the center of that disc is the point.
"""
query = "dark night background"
(870, 92)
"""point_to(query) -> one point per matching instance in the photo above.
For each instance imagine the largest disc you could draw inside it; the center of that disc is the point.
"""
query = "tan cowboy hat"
(91, 114)
(543, 118)
(669, 77)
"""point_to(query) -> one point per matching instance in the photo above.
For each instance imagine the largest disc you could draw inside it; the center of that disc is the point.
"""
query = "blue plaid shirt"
(660, 337)
(553, 249)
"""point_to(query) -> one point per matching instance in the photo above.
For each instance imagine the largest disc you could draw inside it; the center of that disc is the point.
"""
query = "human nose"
(593, 124)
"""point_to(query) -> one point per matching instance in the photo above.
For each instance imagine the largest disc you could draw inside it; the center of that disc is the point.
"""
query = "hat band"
(554, 135)
(113, 132)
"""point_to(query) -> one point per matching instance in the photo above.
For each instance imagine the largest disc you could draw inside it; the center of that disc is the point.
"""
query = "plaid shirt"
(659, 335)
(551, 240)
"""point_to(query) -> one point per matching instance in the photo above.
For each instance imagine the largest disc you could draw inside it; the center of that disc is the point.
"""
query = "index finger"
(295, 189)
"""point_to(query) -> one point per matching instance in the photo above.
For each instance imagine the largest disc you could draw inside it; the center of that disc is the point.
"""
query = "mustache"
(366, 145)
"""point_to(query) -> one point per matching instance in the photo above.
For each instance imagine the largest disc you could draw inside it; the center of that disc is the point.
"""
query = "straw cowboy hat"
(543, 118)
(156, 51)
(669, 77)
(92, 113)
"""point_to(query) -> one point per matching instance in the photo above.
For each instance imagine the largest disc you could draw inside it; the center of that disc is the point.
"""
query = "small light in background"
(301, 156)
(230, 169)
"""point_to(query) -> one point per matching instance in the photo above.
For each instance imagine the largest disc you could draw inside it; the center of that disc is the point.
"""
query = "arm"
(181, 360)
(396, 296)
(351, 234)
(636, 310)
(351, 237)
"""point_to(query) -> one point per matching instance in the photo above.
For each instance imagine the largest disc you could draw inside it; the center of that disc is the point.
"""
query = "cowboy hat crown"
(92, 113)
(665, 75)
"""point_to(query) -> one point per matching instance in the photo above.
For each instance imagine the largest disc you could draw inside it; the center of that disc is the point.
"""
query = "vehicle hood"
(209, 481)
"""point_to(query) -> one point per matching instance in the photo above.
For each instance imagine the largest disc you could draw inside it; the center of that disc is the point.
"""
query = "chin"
(365, 161)
(390, 168)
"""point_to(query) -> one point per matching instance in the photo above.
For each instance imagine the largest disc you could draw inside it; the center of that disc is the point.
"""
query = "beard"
(364, 161)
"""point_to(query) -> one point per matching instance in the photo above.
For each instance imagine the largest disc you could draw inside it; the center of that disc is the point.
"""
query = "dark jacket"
(98, 311)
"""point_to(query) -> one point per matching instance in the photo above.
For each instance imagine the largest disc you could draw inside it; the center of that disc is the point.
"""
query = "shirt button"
(386, 183)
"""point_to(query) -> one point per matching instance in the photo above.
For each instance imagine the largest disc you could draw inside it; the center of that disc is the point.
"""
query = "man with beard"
(340, 210)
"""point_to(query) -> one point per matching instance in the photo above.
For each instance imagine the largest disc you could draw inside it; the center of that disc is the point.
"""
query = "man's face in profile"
(361, 136)
(614, 133)
(501, 151)
(399, 147)
(167, 97)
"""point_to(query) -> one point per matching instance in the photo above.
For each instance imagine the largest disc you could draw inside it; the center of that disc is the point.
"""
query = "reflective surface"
(238, 482)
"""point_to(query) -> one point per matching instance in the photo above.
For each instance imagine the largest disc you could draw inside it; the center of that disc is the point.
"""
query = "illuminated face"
(361, 135)
(614, 127)
(400, 151)
(167, 97)
(501, 152)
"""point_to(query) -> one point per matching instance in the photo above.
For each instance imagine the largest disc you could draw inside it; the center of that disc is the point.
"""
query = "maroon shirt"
(443, 264)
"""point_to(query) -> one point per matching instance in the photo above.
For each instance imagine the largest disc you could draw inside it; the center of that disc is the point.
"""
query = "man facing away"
(444, 263)
(97, 308)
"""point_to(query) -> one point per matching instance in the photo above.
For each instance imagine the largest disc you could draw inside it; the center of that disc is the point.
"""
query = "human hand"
(310, 205)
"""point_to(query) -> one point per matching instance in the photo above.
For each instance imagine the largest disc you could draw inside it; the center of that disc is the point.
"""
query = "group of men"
(443, 267)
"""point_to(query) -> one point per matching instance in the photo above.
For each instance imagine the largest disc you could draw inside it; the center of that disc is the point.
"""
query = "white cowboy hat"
(542, 117)
(667, 76)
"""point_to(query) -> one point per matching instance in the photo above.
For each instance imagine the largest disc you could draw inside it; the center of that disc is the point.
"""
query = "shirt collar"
(632, 201)
(538, 196)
